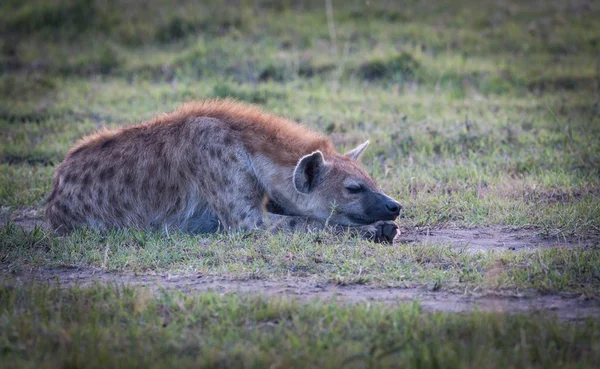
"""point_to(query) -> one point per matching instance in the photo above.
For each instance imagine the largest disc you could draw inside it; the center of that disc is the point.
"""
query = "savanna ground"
(484, 121)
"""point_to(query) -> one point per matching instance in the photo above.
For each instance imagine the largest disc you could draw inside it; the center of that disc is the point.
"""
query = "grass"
(318, 257)
(117, 326)
(479, 113)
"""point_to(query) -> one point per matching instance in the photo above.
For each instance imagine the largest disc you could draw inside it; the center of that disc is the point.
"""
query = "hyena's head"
(339, 189)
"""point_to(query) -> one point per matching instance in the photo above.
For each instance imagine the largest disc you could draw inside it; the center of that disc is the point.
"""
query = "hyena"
(217, 165)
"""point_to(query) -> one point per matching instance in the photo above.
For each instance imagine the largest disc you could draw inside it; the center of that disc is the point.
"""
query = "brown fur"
(282, 140)
(208, 166)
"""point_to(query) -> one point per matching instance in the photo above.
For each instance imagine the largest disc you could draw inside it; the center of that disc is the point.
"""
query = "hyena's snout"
(393, 207)
(384, 207)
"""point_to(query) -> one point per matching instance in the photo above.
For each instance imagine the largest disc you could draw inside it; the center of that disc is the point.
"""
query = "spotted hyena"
(217, 165)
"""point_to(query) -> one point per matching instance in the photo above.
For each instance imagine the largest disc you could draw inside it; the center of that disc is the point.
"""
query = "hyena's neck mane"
(279, 139)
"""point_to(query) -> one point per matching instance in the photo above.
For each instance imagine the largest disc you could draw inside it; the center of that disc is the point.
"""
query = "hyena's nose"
(394, 208)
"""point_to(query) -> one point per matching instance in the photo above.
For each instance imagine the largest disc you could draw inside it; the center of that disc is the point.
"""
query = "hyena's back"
(148, 176)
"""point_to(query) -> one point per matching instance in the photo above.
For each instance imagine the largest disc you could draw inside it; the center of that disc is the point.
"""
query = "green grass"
(479, 113)
(124, 327)
(319, 257)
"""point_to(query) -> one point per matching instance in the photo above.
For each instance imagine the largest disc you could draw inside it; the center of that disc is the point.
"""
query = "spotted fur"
(209, 166)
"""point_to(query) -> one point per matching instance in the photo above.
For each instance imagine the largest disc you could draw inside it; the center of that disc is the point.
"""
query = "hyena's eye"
(355, 188)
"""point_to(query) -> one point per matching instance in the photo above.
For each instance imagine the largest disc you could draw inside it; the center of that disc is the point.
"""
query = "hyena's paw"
(384, 231)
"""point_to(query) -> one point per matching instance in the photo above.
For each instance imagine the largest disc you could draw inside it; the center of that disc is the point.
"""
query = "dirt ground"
(480, 239)
(483, 239)
(306, 289)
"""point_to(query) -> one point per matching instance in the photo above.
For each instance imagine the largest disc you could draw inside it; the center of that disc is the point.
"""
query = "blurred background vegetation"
(478, 111)
(490, 46)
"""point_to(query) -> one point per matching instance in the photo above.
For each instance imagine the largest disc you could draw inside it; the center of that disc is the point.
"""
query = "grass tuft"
(399, 67)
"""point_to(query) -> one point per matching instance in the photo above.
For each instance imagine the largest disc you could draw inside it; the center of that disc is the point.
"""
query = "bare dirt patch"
(306, 289)
(496, 238)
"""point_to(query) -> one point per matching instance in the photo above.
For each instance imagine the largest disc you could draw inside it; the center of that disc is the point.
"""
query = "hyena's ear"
(309, 172)
(355, 153)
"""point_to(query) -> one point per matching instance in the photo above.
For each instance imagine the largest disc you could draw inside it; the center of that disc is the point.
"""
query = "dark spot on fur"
(160, 146)
(147, 182)
(87, 180)
(243, 215)
(143, 135)
(193, 164)
(155, 201)
(160, 186)
(108, 144)
(249, 179)
(212, 152)
(62, 207)
(129, 161)
(227, 140)
(93, 165)
(293, 224)
(68, 178)
(152, 169)
(126, 205)
(113, 197)
(218, 152)
(100, 199)
(80, 196)
(275, 208)
(226, 182)
(107, 173)
(87, 208)
(128, 178)
(174, 188)
(233, 158)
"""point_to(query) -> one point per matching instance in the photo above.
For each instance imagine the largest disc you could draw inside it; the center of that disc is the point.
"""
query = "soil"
(479, 239)
(496, 238)
(305, 290)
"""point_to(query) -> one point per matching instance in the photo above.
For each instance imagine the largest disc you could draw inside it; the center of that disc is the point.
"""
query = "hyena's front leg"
(382, 231)
(226, 179)
(291, 223)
